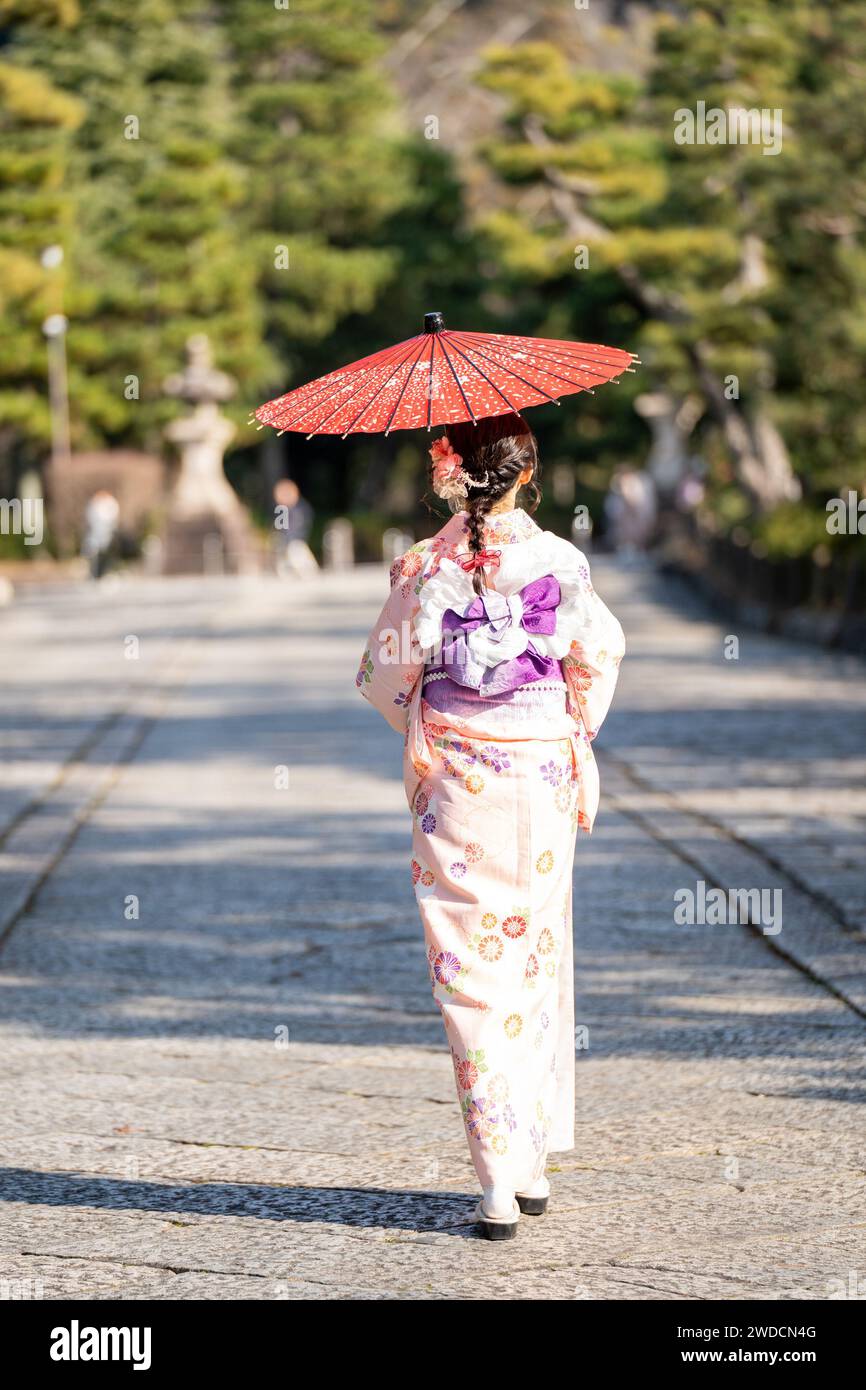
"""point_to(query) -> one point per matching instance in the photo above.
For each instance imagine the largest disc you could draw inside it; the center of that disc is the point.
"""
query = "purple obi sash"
(493, 617)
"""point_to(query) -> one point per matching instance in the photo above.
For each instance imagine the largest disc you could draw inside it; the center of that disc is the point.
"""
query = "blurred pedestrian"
(101, 516)
(631, 509)
(293, 517)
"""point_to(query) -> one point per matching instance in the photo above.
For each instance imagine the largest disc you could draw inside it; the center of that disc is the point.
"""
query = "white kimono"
(498, 787)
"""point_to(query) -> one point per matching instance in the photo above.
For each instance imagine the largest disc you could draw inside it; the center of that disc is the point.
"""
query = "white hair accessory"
(450, 479)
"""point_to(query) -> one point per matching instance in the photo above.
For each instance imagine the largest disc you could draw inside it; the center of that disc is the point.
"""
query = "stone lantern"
(207, 529)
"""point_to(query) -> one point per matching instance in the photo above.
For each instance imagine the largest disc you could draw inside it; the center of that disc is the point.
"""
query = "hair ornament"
(450, 479)
(481, 558)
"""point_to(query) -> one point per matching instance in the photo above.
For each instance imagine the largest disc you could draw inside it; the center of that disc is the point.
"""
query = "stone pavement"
(170, 914)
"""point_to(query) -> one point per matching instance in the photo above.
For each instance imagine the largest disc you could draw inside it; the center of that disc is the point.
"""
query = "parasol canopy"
(443, 376)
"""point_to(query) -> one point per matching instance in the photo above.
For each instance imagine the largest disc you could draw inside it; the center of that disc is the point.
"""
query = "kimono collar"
(503, 528)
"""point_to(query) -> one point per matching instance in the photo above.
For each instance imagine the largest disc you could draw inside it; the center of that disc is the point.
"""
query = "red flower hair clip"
(450, 480)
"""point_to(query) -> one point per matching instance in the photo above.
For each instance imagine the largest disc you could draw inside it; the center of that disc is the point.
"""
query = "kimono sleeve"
(392, 661)
(591, 667)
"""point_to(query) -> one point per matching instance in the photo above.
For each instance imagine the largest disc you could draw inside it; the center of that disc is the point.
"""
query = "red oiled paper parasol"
(443, 376)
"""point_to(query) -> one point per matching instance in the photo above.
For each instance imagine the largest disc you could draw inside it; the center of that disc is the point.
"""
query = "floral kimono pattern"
(497, 788)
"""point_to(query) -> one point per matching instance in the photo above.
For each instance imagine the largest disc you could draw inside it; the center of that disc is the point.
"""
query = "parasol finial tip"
(434, 323)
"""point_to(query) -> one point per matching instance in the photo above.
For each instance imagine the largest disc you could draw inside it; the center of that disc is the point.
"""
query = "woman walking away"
(497, 660)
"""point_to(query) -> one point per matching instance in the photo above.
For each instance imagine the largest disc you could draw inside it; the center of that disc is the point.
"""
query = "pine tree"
(357, 225)
(746, 268)
(323, 167)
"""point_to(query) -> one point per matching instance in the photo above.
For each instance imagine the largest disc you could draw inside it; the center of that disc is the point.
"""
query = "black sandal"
(532, 1206)
(496, 1227)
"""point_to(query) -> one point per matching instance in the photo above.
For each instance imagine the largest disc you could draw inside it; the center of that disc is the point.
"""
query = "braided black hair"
(497, 449)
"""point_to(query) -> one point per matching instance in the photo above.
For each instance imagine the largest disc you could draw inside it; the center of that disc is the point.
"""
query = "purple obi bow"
(493, 617)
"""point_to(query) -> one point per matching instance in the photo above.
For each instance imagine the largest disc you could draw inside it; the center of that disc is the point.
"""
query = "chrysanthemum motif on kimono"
(546, 942)
(446, 968)
(490, 948)
(515, 924)
(498, 1087)
(505, 530)
(365, 670)
(481, 1116)
(552, 773)
(469, 1068)
(494, 758)
(423, 878)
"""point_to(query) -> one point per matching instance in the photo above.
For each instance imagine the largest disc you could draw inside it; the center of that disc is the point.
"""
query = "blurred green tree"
(745, 268)
(815, 227)
(154, 202)
(227, 167)
(38, 122)
(323, 171)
